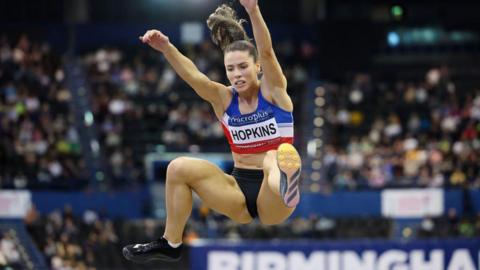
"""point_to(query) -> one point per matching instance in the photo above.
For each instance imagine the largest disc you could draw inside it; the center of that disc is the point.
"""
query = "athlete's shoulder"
(228, 98)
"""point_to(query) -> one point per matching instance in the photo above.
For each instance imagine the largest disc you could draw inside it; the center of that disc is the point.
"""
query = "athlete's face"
(242, 71)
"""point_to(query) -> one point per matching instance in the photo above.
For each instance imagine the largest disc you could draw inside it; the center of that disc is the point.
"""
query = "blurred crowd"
(422, 133)
(9, 255)
(452, 225)
(207, 224)
(75, 242)
(39, 144)
(137, 101)
(379, 133)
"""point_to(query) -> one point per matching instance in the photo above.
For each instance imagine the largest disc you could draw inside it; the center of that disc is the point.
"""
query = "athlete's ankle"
(173, 244)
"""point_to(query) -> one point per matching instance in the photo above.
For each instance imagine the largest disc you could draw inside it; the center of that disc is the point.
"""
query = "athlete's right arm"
(207, 89)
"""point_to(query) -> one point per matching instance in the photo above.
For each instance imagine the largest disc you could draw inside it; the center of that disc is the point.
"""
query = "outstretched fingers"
(149, 35)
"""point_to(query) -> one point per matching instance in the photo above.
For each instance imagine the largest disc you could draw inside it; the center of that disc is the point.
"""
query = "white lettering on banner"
(341, 260)
(461, 260)
(393, 260)
(248, 261)
(266, 130)
(351, 260)
(418, 262)
(334, 260)
(316, 261)
(271, 261)
(223, 260)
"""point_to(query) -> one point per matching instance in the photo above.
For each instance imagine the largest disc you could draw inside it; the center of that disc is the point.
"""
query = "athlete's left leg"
(280, 190)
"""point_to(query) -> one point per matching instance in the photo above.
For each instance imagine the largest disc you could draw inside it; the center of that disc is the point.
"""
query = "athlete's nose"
(236, 73)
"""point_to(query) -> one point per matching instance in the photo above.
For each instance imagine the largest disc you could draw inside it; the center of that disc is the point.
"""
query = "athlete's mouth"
(240, 83)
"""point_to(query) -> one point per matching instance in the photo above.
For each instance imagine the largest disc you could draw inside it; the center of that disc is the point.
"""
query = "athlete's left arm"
(272, 71)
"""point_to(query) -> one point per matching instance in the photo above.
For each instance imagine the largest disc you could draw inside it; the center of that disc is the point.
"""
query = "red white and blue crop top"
(257, 132)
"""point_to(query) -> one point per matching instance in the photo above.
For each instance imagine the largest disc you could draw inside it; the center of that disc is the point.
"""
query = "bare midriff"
(248, 161)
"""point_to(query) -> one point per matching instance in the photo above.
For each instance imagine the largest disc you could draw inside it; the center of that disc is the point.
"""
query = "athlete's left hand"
(249, 5)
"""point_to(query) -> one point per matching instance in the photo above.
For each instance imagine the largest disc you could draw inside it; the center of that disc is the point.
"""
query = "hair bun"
(225, 27)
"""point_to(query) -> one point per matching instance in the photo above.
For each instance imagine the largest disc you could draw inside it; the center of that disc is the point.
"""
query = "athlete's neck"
(249, 96)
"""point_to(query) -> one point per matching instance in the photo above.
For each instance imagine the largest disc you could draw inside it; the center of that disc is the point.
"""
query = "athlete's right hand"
(155, 39)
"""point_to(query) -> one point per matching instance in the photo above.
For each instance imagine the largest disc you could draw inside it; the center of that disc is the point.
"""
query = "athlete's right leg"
(217, 190)
(184, 175)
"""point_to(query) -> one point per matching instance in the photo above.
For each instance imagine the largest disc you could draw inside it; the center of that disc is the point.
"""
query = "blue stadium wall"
(134, 204)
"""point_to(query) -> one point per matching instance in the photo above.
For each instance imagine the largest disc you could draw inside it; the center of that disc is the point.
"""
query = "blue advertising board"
(337, 255)
(120, 204)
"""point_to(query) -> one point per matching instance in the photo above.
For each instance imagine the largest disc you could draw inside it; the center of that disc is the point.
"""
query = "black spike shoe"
(156, 250)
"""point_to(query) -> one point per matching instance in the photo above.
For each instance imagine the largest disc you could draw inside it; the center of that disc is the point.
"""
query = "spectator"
(425, 138)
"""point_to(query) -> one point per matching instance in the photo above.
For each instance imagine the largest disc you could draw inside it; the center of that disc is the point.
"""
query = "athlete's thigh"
(271, 208)
(218, 190)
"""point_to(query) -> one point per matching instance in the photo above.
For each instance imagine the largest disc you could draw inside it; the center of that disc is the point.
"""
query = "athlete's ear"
(259, 71)
(258, 67)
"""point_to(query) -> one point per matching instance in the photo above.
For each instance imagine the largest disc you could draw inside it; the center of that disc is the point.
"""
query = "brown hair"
(228, 33)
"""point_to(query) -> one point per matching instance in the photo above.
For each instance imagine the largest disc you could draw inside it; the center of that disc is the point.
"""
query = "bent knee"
(241, 216)
(177, 168)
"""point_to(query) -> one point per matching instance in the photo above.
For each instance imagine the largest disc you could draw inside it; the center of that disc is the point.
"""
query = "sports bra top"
(257, 132)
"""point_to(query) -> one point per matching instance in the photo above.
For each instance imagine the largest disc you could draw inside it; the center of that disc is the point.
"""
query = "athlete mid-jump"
(256, 114)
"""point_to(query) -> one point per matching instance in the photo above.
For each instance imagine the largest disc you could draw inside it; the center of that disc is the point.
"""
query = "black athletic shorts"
(250, 182)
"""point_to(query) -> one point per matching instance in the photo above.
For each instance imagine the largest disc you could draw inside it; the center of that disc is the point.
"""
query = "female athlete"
(256, 114)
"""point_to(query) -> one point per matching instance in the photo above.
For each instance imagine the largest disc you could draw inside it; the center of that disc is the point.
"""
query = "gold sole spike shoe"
(290, 166)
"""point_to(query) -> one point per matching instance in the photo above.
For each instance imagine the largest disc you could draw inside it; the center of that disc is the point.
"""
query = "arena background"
(387, 111)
